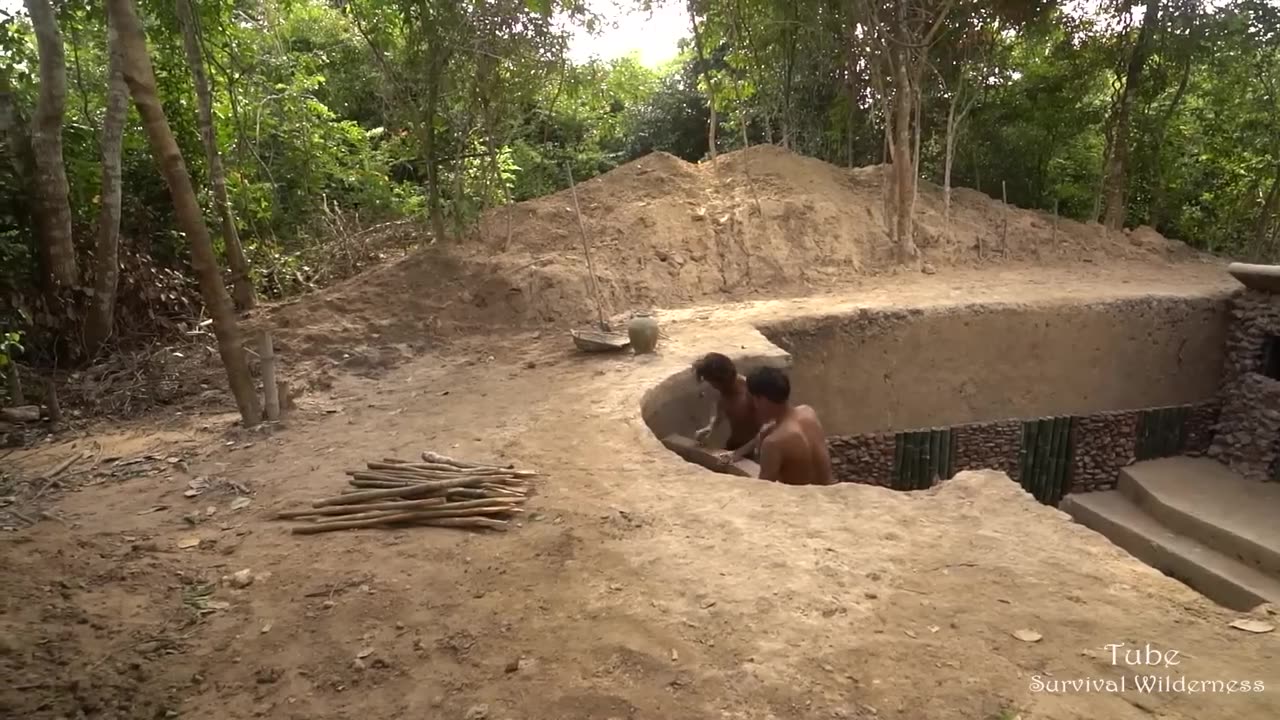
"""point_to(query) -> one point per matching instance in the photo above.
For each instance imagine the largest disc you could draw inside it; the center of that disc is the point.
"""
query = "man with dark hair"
(733, 405)
(794, 451)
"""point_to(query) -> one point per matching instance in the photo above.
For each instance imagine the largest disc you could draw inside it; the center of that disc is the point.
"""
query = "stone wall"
(1247, 436)
(866, 459)
(1248, 433)
(1101, 445)
(1200, 427)
(989, 446)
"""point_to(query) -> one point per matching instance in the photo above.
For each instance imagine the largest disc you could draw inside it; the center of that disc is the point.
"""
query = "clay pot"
(643, 331)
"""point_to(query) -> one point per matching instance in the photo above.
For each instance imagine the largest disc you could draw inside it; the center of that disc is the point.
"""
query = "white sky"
(652, 35)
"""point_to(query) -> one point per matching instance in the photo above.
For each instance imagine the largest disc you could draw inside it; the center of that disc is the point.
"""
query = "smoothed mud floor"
(638, 587)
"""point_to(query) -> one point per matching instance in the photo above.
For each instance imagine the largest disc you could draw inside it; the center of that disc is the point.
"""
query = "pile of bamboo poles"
(439, 491)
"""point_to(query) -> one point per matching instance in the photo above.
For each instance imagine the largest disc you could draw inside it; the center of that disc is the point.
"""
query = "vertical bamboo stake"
(1004, 232)
(898, 453)
(1024, 453)
(908, 462)
(586, 248)
(935, 456)
(944, 454)
(1055, 223)
(270, 390)
(1044, 452)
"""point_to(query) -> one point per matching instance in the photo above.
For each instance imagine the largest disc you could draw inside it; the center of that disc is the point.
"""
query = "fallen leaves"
(1253, 626)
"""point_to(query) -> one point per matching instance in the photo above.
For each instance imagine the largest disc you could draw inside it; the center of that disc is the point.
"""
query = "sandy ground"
(638, 587)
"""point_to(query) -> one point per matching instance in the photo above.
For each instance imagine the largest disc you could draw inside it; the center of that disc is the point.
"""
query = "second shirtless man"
(734, 405)
(794, 450)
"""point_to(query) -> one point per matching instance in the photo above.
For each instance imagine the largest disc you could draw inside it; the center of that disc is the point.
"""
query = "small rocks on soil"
(240, 579)
(477, 712)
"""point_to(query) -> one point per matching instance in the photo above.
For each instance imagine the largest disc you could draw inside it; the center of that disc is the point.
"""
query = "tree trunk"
(950, 154)
(429, 149)
(706, 77)
(53, 207)
(1269, 206)
(140, 77)
(1116, 184)
(106, 271)
(917, 100)
(903, 163)
(1155, 215)
(241, 281)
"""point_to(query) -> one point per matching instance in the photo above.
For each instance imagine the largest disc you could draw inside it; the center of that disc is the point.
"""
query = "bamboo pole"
(935, 456)
(899, 452)
(586, 249)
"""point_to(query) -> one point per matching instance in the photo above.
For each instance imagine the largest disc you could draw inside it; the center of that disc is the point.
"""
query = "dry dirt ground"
(638, 586)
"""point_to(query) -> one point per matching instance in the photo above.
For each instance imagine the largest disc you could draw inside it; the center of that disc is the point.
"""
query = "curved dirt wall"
(923, 367)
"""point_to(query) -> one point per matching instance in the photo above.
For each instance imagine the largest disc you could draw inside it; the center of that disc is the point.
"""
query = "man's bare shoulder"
(781, 434)
(808, 415)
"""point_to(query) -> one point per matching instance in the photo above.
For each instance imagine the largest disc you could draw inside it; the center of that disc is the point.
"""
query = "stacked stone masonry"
(1101, 445)
(1247, 436)
(993, 446)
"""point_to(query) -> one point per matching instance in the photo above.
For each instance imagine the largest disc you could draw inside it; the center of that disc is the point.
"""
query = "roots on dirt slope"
(666, 233)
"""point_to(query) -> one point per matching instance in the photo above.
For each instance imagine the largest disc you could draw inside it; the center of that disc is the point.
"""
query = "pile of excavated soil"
(667, 233)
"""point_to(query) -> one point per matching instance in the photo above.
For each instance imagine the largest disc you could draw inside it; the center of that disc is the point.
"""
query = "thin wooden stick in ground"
(270, 391)
(586, 249)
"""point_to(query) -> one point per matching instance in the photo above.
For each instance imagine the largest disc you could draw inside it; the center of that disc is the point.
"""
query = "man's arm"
(700, 436)
(706, 432)
(745, 451)
(771, 451)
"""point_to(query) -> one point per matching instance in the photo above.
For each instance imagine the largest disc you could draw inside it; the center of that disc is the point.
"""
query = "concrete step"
(1205, 501)
(1218, 577)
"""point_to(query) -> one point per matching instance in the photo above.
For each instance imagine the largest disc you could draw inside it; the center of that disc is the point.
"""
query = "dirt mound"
(665, 233)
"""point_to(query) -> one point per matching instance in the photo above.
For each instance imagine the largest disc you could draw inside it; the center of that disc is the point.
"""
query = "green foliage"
(10, 347)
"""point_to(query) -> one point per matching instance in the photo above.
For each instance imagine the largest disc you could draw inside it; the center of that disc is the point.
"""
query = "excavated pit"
(978, 374)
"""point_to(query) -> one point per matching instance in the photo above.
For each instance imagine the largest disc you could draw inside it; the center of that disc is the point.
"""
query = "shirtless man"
(734, 405)
(794, 452)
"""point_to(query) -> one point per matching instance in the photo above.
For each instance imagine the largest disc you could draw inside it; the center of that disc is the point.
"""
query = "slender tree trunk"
(903, 164)
(141, 80)
(849, 128)
(918, 101)
(1269, 206)
(241, 281)
(53, 207)
(1116, 184)
(706, 77)
(1155, 215)
(950, 155)
(106, 271)
(434, 205)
